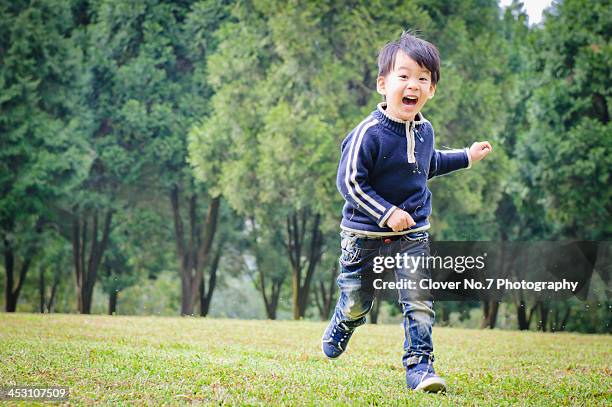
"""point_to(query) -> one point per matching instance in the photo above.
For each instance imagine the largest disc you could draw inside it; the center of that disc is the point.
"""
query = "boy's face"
(406, 88)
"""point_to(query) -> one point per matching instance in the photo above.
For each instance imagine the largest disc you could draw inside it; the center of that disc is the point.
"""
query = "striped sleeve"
(445, 161)
(357, 159)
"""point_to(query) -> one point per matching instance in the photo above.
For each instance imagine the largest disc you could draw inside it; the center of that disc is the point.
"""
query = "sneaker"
(335, 339)
(422, 377)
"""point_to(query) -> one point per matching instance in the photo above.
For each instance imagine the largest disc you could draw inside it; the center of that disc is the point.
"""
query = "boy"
(384, 167)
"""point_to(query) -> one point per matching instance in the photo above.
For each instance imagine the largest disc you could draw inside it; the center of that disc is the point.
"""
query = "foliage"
(566, 149)
(109, 105)
(42, 151)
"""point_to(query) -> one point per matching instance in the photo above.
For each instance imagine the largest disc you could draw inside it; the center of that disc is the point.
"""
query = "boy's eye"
(423, 79)
(404, 76)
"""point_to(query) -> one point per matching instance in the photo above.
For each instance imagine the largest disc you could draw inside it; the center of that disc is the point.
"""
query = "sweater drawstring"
(410, 142)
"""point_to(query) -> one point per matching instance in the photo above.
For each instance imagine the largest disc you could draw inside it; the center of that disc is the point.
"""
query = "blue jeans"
(356, 283)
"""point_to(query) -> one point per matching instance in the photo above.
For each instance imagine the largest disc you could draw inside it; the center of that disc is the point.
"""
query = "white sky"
(534, 8)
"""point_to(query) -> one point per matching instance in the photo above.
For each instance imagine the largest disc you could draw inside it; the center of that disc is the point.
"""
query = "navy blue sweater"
(385, 164)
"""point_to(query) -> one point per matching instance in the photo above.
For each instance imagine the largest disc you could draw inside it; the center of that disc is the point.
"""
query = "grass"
(156, 360)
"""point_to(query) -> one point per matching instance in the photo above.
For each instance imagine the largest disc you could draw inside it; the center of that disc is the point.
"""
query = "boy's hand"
(479, 150)
(400, 220)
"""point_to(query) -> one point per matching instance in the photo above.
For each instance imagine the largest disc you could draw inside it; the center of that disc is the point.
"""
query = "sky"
(534, 8)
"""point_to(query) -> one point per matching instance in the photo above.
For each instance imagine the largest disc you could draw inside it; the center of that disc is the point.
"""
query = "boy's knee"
(423, 309)
(357, 310)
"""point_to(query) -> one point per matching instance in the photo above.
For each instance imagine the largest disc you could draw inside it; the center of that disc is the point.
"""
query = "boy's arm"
(352, 181)
(443, 162)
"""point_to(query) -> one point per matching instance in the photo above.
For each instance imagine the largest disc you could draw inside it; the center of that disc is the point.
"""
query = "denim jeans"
(356, 283)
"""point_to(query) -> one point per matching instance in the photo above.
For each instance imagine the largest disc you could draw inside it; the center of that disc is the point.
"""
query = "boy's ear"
(380, 85)
(432, 90)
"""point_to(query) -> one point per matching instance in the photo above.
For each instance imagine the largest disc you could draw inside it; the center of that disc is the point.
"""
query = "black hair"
(423, 52)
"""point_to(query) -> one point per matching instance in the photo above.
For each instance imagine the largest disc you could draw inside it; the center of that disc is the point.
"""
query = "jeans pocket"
(351, 252)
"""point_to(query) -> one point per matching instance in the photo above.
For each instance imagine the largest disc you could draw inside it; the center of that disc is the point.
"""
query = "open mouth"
(410, 100)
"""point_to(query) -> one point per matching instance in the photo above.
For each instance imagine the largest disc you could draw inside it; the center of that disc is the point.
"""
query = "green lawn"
(155, 360)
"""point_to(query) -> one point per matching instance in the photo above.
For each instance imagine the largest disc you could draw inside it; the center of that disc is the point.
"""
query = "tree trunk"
(493, 314)
(518, 297)
(12, 291)
(296, 231)
(543, 316)
(565, 318)
(112, 302)
(558, 322)
(294, 248)
(271, 302)
(41, 288)
(491, 307)
(206, 296)
(489, 318)
(87, 271)
(193, 255)
(270, 299)
(554, 322)
(485, 314)
(444, 314)
(532, 311)
(324, 297)
(51, 303)
(521, 311)
(274, 297)
(10, 299)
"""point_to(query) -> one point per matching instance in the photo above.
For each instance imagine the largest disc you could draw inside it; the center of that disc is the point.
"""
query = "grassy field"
(155, 360)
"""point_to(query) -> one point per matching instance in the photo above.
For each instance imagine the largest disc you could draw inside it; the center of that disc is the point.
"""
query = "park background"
(179, 158)
(163, 159)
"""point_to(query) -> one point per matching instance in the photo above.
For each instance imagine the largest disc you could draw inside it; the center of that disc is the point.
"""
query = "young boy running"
(384, 167)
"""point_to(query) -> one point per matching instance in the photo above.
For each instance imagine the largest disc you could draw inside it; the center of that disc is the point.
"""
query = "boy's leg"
(356, 292)
(419, 317)
(355, 301)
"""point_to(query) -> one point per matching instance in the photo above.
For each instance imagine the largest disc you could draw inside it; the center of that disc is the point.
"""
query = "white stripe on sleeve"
(351, 168)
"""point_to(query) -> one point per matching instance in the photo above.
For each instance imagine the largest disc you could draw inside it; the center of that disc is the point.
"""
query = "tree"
(281, 150)
(225, 255)
(53, 263)
(270, 265)
(558, 134)
(325, 286)
(42, 149)
(568, 165)
(129, 252)
(148, 91)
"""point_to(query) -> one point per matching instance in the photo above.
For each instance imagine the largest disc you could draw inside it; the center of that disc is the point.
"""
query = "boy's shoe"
(422, 377)
(335, 339)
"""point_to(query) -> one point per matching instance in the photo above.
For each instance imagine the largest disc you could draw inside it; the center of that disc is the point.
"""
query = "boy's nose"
(411, 85)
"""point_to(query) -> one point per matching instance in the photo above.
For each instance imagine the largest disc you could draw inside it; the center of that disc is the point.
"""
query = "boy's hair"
(424, 53)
